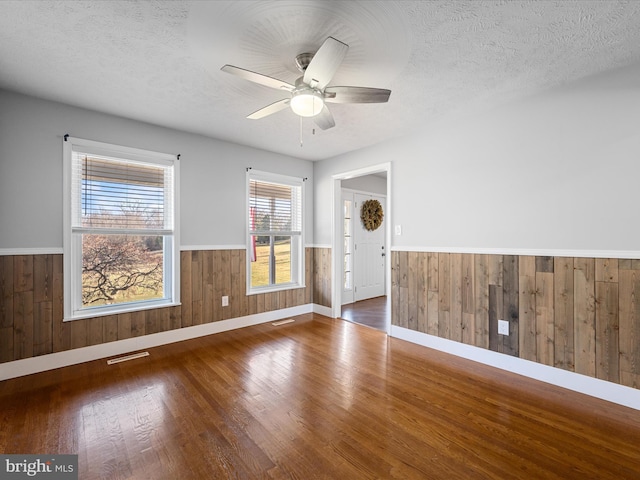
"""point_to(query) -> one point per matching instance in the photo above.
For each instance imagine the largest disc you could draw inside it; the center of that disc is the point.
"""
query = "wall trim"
(31, 251)
(42, 363)
(535, 252)
(363, 192)
(322, 310)
(183, 248)
(612, 392)
(189, 248)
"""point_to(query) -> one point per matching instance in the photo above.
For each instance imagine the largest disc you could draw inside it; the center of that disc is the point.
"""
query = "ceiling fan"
(311, 92)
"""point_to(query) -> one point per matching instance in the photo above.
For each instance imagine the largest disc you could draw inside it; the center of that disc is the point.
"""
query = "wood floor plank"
(373, 312)
(318, 398)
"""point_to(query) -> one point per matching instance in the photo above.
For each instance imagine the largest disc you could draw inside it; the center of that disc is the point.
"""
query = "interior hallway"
(373, 312)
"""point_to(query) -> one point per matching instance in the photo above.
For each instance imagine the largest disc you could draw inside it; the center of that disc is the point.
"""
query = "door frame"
(336, 239)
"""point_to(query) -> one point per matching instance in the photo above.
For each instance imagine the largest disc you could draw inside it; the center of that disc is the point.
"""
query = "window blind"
(117, 194)
(275, 208)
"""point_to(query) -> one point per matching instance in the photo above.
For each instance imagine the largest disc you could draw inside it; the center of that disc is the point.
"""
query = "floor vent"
(283, 322)
(133, 356)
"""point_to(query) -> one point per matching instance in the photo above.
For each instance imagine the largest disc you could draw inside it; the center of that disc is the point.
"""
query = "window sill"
(272, 289)
(116, 310)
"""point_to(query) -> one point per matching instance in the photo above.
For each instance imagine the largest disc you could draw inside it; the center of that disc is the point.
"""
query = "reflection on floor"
(373, 312)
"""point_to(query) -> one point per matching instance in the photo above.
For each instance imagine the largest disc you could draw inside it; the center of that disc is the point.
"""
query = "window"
(121, 247)
(347, 283)
(275, 254)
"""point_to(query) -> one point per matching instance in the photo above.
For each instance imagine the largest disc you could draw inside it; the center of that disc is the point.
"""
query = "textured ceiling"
(160, 61)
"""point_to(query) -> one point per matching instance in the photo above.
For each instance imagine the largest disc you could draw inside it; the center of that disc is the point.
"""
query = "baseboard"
(322, 310)
(42, 363)
(612, 392)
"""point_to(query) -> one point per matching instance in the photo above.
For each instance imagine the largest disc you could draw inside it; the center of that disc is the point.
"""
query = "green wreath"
(371, 214)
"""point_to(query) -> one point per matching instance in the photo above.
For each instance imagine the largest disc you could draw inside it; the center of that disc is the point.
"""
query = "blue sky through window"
(132, 204)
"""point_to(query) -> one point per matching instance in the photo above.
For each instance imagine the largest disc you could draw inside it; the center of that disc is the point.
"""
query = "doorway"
(364, 250)
(361, 267)
(374, 312)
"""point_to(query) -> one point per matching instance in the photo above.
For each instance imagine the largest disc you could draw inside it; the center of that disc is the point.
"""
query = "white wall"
(367, 183)
(212, 171)
(557, 171)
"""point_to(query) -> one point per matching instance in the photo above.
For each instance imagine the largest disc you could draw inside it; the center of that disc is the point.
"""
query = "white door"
(369, 253)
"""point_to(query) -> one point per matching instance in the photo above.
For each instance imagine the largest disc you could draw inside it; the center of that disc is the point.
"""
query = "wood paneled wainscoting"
(577, 314)
(322, 276)
(31, 301)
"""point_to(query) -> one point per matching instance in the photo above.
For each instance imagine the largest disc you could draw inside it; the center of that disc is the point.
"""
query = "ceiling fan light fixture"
(307, 103)
(311, 91)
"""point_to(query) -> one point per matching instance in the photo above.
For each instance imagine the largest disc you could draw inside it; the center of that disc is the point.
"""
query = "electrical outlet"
(503, 327)
(225, 301)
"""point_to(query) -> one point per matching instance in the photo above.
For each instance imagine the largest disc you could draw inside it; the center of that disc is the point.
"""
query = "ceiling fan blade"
(270, 109)
(258, 78)
(324, 119)
(325, 63)
(356, 95)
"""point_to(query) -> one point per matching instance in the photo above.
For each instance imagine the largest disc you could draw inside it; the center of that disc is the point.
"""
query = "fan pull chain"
(301, 144)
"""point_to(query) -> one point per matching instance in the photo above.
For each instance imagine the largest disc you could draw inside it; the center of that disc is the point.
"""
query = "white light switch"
(225, 301)
(398, 229)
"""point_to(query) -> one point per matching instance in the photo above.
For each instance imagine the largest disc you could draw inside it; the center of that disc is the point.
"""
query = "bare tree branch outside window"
(121, 268)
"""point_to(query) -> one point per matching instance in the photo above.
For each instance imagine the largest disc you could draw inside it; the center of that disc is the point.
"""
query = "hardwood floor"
(318, 398)
(373, 312)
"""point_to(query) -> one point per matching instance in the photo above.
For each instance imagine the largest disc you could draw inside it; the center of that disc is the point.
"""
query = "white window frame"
(297, 263)
(72, 263)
